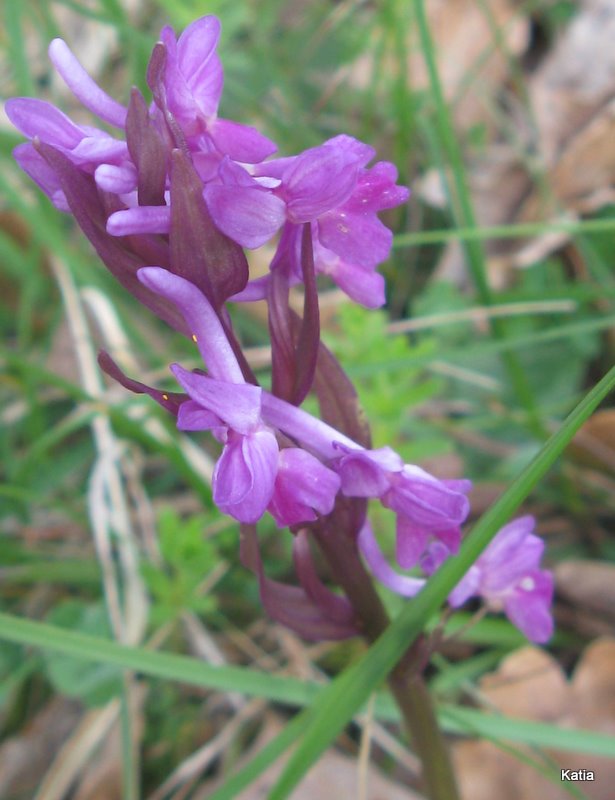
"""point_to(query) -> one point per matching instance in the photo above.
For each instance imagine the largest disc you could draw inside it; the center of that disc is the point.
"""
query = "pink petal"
(237, 404)
(425, 500)
(303, 485)
(509, 539)
(117, 180)
(356, 238)
(144, 219)
(97, 149)
(255, 290)
(364, 286)
(201, 320)
(83, 87)
(248, 216)
(34, 165)
(244, 475)
(500, 574)
(193, 417)
(469, 585)
(354, 150)
(403, 585)
(320, 179)
(376, 190)
(410, 542)
(38, 118)
(529, 607)
(434, 556)
(240, 142)
(361, 475)
(197, 44)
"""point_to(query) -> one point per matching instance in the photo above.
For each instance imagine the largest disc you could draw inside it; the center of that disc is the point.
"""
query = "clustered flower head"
(170, 204)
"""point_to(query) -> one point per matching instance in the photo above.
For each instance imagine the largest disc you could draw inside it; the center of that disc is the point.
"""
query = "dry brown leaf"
(589, 585)
(553, 160)
(528, 685)
(593, 687)
(594, 444)
(24, 759)
(576, 78)
(474, 44)
(484, 773)
(531, 685)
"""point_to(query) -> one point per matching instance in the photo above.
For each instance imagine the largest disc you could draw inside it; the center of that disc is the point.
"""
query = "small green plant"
(190, 565)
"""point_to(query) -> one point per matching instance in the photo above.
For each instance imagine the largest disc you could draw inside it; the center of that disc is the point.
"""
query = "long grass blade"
(338, 703)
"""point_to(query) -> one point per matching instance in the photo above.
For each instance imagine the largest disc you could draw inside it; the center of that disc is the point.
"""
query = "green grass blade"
(284, 690)
(163, 665)
(530, 732)
(515, 231)
(17, 50)
(339, 701)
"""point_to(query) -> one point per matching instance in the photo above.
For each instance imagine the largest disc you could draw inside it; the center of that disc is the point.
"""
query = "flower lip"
(245, 473)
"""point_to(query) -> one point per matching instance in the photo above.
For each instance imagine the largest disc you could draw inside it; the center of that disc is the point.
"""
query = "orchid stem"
(405, 681)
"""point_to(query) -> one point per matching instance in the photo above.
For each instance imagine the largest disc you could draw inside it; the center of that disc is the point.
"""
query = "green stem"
(405, 681)
(415, 704)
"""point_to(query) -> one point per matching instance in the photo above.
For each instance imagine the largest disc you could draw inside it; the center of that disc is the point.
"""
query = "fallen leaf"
(530, 684)
(475, 45)
(594, 444)
(589, 585)
(24, 759)
(552, 154)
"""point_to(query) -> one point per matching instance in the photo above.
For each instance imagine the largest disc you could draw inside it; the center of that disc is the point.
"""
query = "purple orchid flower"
(329, 187)
(294, 484)
(245, 473)
(193, 80)
(508, 577)
(252, 474)
(425, 506)
(92, 150)
(186, 76)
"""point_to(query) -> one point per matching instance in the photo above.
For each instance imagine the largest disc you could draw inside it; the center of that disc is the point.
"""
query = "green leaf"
(87, 648)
